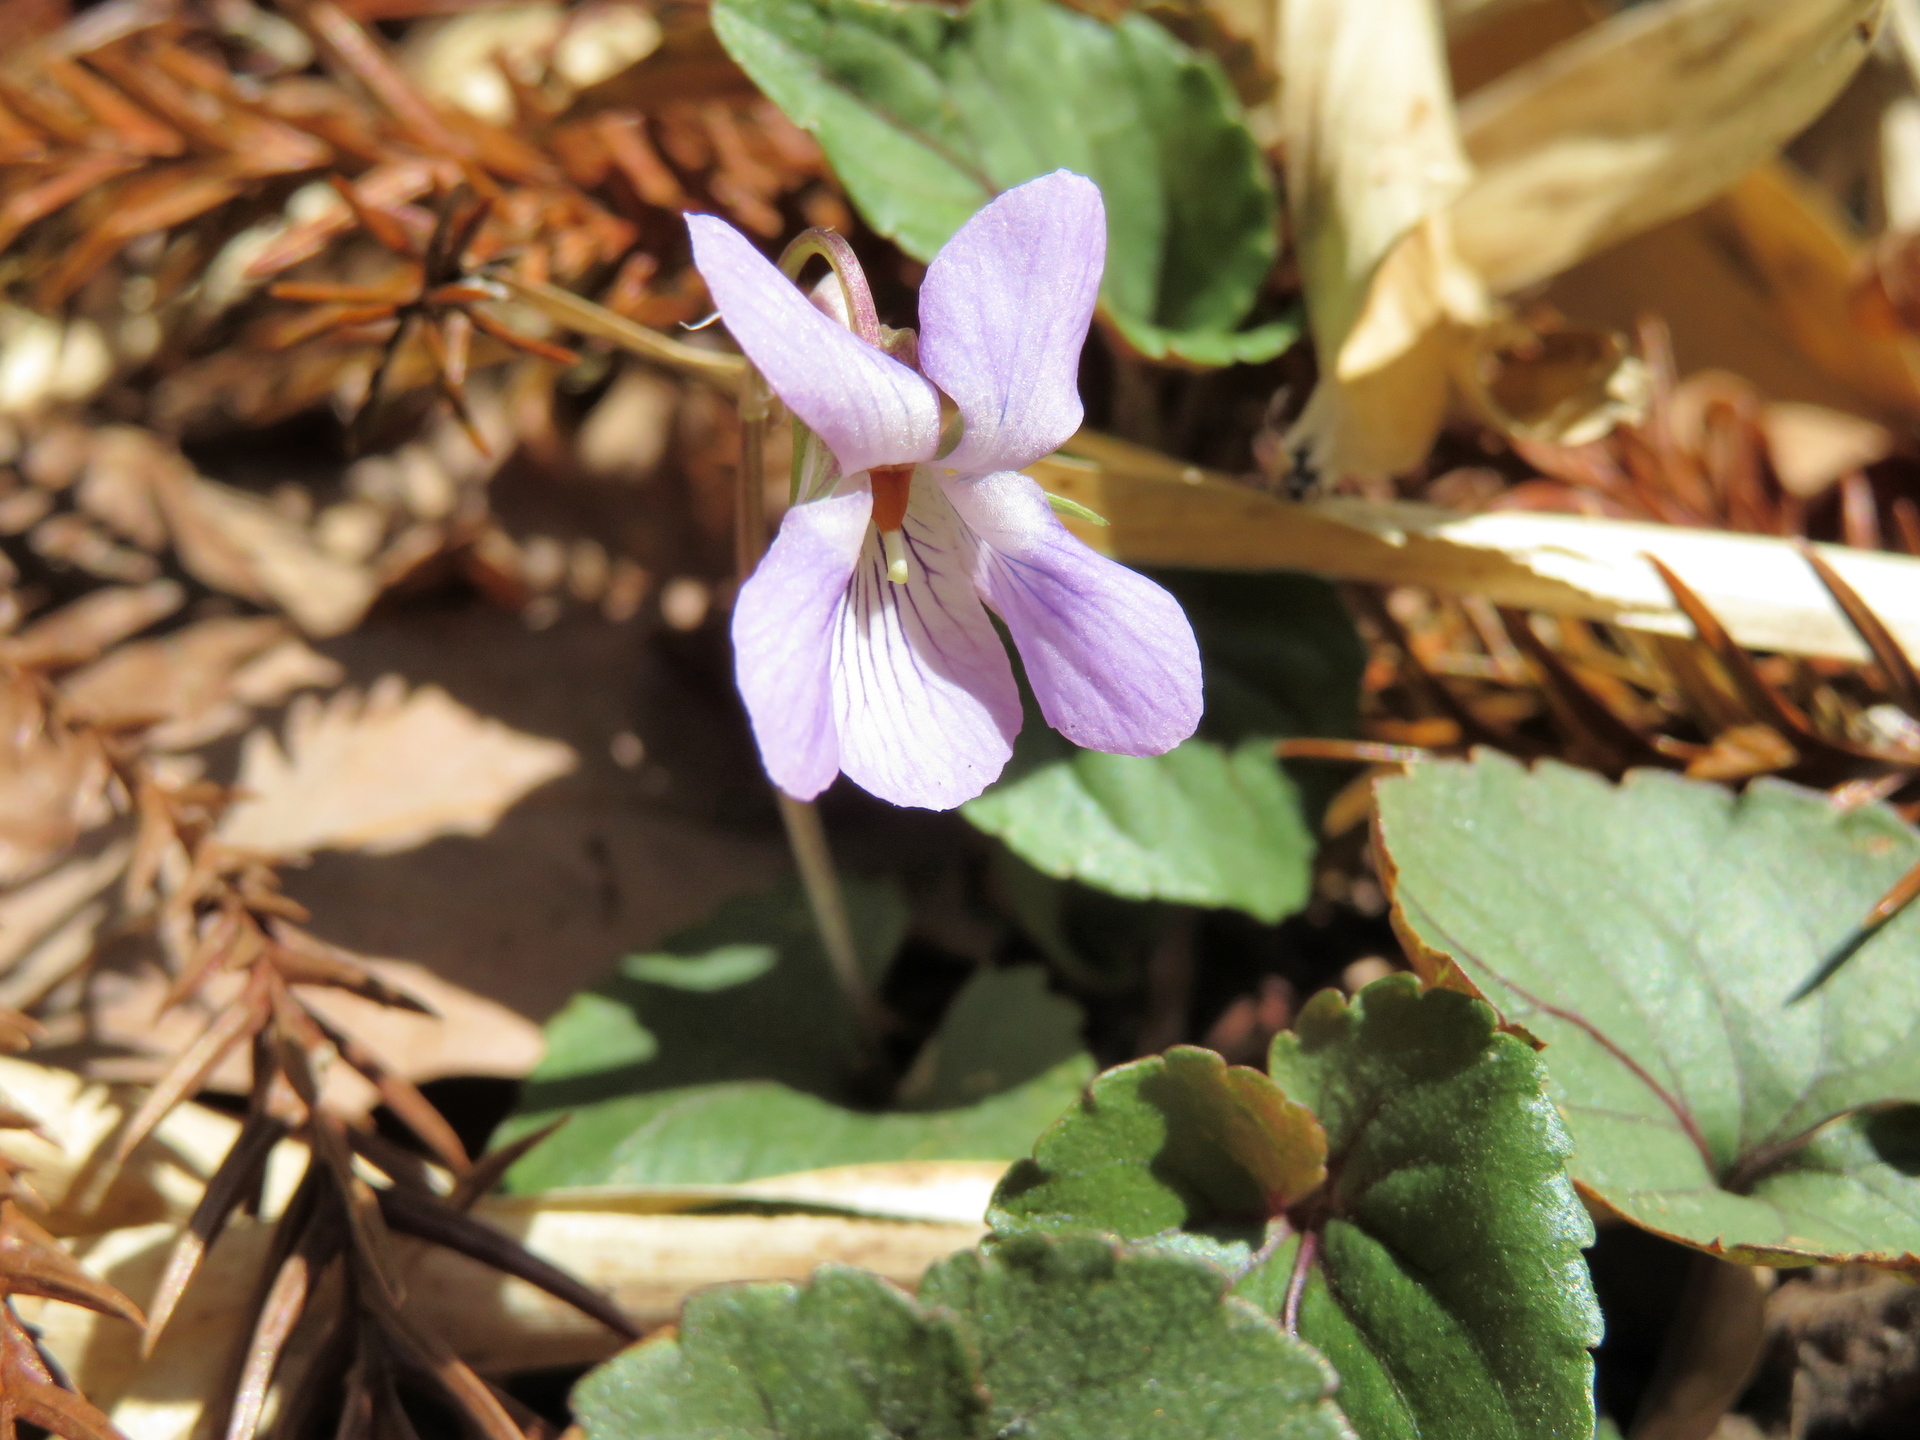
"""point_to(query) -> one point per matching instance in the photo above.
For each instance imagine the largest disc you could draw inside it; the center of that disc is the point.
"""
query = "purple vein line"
(1639, 1071)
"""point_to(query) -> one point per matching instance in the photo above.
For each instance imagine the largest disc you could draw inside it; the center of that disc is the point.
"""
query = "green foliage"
(1225, 1149)
(1448, 1287)
(1201, 824)
(927, 114)
(1045, 1339)
(1216, 821)
(1442, 1273)
(730, 1054)
(1651, 933)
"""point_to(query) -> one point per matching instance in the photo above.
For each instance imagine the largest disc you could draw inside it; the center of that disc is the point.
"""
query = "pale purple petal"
(784, 622)
(1003, 315)
(924, 697)
(869, 408)
(1110, 655)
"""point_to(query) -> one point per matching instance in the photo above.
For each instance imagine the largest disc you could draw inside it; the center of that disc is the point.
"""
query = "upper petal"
(868, 407)
(784, 621)
(924, 696)
(1110, 655)
(1003, 315)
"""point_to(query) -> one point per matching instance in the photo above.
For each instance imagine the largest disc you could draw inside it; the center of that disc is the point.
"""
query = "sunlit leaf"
(730, 1054)
(1440, 1269)
(1216, 821)
(1652, 933)
(1444, 1278)
(1228, 1150)
(927, 114)
(383, 772)
(1049, 1340)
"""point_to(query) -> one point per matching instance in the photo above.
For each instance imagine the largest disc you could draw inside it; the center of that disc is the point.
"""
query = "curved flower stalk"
(860, 643)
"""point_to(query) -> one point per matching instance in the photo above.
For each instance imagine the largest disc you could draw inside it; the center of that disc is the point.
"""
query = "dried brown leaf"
(91, 625)
(31, 912)
(183, 684)
(383, 774)
(240, 544)
(55, 781)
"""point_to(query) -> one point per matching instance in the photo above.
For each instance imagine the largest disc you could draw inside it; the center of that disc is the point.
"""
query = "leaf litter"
(323, 325)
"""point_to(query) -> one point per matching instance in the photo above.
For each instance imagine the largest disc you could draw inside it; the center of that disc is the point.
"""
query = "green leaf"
(1180, 1142)
(729, 1055)
(1445, 1282)
(845, 1355)
(1651, 933)
(1044, 1339)
(1216, 821)
(1442, 1273)
(926, 115)
(1200, 824)
(726, 1134)
(1003, 1029)
(1074, 510)
(1081, 1341)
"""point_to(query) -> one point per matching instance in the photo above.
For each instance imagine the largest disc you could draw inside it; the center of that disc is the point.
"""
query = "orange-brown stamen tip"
(891, 484)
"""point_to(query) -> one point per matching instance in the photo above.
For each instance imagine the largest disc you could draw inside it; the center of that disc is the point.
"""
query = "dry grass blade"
(237, 1022)
(1893, 661)
(239, 1172)
(727, 372)
(426, 1217)
(1359, 752)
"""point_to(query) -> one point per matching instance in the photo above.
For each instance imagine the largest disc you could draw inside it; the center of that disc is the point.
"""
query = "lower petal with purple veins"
(1111, 655)
(924, 698)
(784, 626)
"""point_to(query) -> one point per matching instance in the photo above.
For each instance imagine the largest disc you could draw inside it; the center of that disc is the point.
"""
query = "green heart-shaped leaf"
(927, 115)
(1226, 1149)
(1045, 1339)
(1216, 821)
(1439, 1264)
(1441, 1268)
(729, 1054)
(845, 1354)
(1652, 933)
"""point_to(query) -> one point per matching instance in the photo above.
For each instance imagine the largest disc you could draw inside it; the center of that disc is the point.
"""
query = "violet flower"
(860, 642)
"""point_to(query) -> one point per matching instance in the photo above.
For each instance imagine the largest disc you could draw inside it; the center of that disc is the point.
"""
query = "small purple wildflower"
(860, 643)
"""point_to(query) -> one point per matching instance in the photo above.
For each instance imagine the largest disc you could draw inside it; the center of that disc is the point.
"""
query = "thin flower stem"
(578, 313)
(805, 834)
(808, 838)
(862, 318)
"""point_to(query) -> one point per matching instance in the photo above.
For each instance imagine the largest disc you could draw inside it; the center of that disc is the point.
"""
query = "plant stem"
(808, 839)
(806, 836)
